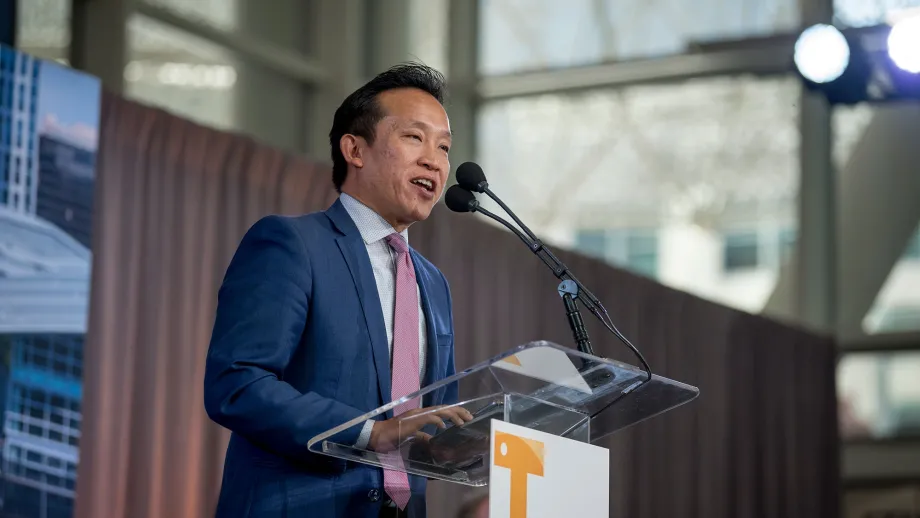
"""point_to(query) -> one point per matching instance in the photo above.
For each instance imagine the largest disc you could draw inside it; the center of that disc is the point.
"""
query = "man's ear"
(351, 147)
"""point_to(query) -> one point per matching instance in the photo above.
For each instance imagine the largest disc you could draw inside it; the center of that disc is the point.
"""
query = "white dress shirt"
(374, 229)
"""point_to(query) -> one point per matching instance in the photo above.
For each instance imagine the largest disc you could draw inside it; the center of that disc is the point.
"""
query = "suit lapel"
(355, 253)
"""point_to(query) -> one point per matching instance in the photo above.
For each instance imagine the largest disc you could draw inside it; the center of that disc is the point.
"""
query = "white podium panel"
(535, 474)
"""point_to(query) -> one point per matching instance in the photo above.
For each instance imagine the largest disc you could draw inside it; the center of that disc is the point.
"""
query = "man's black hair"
(360, 112)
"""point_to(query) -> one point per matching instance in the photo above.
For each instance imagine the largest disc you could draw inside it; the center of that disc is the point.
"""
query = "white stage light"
(904, 44)
(822, 54)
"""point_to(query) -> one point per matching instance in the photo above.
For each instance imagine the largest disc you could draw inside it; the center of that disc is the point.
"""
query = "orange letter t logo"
(523, 457)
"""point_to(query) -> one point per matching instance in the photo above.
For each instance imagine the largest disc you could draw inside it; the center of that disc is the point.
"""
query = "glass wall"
(183, 74)
(863, 13)
(217, 86)
(217, 13)
(879, 395)
(44, 28)
(862, 137)
(428, 37)
(693, 183)
(896, 308)
(518, 35)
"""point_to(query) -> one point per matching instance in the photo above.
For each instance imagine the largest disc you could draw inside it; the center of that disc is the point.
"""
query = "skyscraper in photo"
(19, 79)
(65, 193)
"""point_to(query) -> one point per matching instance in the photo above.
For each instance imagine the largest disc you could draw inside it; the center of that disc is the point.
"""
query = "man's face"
(402, 174)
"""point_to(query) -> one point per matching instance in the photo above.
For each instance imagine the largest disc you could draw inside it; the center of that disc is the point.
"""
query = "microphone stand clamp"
(568, 290)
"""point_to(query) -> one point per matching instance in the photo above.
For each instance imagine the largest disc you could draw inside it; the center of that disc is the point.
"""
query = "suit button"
(373, 495)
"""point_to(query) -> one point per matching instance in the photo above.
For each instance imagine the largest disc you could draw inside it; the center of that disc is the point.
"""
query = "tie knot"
(398, 243)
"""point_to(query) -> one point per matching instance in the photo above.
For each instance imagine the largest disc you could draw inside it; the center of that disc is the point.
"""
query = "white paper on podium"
(547, 364)
(558, 476)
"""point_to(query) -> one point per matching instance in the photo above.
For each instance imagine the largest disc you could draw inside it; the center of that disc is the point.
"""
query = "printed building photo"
(49, 124)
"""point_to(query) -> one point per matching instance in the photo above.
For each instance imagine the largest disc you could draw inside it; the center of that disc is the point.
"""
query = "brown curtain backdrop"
(173, 199)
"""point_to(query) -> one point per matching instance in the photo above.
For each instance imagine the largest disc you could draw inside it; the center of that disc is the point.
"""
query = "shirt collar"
(371, 225)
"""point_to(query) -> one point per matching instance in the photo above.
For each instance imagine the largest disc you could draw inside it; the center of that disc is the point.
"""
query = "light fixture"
(904, 44)
(822, 54)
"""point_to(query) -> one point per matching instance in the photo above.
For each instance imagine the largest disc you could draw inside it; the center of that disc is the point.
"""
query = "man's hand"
(387, 435)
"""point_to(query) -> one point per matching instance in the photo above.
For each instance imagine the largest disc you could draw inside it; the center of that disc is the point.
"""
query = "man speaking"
(324, 317)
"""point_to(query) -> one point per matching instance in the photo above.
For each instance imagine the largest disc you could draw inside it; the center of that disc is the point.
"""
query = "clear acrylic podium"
(540, 385)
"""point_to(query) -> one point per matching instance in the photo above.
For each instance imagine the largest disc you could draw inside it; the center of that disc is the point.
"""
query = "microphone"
(460, 198)
(471, 178)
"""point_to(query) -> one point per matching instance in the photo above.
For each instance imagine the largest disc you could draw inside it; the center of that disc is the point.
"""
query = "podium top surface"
(541, 385)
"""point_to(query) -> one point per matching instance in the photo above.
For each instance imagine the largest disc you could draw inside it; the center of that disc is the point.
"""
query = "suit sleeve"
(262, 310)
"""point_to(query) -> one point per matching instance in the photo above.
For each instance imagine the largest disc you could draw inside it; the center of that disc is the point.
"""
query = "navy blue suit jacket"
(298, 347)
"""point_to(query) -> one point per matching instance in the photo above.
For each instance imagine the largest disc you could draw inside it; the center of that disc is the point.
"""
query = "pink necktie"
(405, 354)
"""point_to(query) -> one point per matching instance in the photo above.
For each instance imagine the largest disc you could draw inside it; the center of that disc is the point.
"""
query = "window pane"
(43, 28)
(879, 395)
(849, 125)
(633, 249)
(860, 131)
(740, 251)
(640, 248)
(787, 242)
(428, 35)
(219, 13)
(681, 161)
(644, 265)
(281, 22)
(913, 247)
(535, 34)
(863, 13)
(200, 81)
(591, 242)
(190, 77)
(897, 306)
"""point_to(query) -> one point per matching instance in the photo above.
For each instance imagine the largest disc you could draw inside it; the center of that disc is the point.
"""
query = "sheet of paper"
(547, 364)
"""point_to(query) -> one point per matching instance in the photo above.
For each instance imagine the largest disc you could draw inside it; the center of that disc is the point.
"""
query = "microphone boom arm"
(561, 271)
(536, 246)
